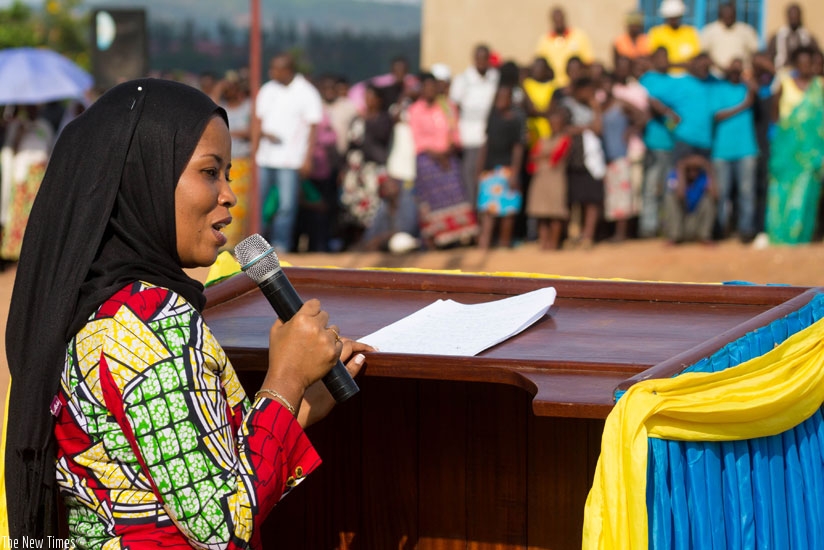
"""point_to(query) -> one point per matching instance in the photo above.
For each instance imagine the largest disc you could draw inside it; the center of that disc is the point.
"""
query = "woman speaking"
(120, 393)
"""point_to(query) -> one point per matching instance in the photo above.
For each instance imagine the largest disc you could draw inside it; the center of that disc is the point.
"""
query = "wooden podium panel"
(492, 451)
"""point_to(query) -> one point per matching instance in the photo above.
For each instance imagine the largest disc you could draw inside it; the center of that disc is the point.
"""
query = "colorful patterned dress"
(445, 214)
(504, 132)
(23, 158)
(147, 388)
(796, 164)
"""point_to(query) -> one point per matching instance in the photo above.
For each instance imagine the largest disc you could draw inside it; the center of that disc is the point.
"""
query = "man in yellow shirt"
(561, 43)
(682, 42)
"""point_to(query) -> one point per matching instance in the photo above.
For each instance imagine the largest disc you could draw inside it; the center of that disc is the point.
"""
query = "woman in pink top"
(446, 216)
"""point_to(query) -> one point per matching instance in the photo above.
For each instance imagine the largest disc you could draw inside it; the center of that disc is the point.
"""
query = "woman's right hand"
(301, 351)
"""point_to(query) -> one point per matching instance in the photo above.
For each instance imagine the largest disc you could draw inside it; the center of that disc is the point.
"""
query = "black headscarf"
(104, 216)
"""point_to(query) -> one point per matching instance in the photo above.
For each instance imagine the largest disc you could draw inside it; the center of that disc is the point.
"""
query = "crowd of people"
(684, 134)
(118, 382)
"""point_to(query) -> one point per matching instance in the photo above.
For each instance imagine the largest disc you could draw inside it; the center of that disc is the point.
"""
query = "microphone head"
(256, 257)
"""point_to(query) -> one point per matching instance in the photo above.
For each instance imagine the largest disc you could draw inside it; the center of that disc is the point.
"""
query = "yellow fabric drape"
(4, 518)
(762, 397)
(225, 266)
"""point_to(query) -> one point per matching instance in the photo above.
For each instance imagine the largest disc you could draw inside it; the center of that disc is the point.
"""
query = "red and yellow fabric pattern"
(148, 390)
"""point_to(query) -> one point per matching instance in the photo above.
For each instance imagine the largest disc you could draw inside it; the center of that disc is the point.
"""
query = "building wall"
(451, 28)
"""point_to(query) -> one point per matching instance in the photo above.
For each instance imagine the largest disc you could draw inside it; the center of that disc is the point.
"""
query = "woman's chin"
(205, 259)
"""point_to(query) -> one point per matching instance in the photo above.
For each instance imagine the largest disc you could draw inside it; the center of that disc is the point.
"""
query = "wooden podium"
(492, 451)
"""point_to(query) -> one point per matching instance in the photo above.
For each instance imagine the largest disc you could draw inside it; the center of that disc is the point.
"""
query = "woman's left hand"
(317, 401)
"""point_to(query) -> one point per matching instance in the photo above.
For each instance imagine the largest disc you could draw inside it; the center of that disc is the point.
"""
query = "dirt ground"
(648, 260)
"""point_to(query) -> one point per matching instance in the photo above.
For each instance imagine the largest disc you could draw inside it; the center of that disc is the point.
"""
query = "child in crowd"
(539, 88)
(575, 69)
(764, 78)
(586, 167)
(658, 141)
(369, 141)
(633, 100)
(689, 102)
(396, 222)
(499, 190)
(619, 204)
(598, 74)
(689, 202)
(547, 199)
(318, 194)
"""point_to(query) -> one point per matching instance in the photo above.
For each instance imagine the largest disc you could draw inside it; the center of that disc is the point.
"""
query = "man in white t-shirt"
(473, 91)
(288, 109)
(728, 39)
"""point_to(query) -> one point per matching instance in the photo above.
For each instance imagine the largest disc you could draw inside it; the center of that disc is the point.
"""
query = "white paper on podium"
(446, 327)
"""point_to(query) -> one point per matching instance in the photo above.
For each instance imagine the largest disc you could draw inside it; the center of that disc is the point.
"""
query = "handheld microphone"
(260, 262)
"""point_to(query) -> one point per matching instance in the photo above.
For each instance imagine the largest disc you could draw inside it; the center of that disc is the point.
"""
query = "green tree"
(18, 27)
(61, 26)
(67, 29)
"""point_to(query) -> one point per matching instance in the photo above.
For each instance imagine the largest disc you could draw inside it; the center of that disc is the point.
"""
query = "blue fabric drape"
(764, 493)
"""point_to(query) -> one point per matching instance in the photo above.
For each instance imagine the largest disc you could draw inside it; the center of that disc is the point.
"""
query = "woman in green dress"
(797, 154)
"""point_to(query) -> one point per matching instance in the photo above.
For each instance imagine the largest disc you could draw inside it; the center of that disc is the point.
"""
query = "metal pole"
(254, 86)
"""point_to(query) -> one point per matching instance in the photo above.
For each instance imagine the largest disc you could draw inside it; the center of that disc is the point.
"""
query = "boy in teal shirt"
(735, 151)
(659, 142)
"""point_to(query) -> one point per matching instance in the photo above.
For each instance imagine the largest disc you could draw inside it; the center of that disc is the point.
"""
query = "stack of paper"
(446, 327)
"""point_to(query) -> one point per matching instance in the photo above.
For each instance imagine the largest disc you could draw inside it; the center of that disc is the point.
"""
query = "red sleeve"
(279, 450)
(217, 467)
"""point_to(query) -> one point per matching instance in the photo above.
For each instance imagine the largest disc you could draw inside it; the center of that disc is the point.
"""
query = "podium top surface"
(599, 335)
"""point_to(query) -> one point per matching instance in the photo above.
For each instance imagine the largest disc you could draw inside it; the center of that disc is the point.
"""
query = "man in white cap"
(682, 42)
(443, 75)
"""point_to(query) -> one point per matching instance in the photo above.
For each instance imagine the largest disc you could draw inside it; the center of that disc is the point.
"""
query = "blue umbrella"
(32, 75)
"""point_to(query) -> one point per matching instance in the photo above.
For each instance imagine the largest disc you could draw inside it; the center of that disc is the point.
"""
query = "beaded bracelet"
(279, 397)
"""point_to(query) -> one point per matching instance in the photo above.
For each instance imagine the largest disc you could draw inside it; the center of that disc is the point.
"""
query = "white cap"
(672, 8)
(441, 72)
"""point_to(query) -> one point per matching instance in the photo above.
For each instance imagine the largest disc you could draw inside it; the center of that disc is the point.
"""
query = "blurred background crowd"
(681, 134)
